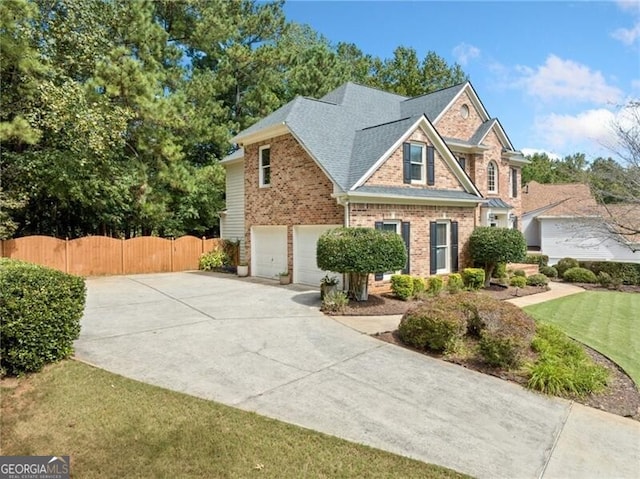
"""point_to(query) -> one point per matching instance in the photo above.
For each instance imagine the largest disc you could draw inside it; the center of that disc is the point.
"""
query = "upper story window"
(464, 111)
(514, 182)
(463, 162)
(417, 162)
(492, 177)
(264, 158)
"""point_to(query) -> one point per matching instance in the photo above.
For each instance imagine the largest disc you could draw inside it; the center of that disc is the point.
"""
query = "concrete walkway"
(383, 324)
(266, 348)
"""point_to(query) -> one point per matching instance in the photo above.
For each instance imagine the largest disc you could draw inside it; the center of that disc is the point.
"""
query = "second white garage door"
(305, 239)
(268, 250)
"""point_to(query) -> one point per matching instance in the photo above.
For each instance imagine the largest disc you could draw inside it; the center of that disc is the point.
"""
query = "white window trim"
(398, 225)
(261, 169)
(447, 268)
(423, 170)
(495, 177)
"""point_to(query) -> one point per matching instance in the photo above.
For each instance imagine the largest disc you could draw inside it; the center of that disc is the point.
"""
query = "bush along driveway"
(267, 348)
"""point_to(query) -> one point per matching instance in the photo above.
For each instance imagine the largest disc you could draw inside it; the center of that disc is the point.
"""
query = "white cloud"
(531, 151)
(635, 84)
(465, 52)
(628, 36)
(560, 79)
(590, 126)
(629, 5)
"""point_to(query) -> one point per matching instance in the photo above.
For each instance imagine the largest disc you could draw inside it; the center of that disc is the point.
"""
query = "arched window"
(492, 177)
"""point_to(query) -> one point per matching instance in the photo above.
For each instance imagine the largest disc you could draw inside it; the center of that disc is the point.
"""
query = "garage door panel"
(305, 240)
(268, 250)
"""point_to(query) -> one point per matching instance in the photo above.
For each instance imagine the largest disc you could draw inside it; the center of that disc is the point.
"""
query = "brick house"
(430, 168)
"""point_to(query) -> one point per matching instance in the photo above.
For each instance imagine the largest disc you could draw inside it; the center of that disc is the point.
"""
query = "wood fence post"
(203, 239)
(172, 246)
(66, 255)
(122, 240)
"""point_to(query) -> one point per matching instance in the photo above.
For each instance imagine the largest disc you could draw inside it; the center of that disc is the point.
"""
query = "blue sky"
(554, 73)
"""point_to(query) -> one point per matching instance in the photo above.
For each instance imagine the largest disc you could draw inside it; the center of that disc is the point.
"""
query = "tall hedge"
(40, 311)
(359, 252)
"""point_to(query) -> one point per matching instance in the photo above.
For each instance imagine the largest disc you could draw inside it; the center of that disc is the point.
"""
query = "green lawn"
(115, 427)
(608, 322)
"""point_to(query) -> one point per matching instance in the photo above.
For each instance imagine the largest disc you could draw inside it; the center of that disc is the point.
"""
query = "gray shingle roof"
(425, 193)
(350, 128)
(496, 203)
(430, 104)
(482, 131)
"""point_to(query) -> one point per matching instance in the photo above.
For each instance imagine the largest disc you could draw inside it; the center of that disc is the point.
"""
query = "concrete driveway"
(266, 348)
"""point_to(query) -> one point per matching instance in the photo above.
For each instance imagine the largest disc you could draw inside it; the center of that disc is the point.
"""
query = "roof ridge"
(388, 123)
(437, 91)
(373, 88)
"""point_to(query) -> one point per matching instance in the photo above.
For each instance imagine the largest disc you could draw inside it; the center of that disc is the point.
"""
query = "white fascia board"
(233, 161)
(272, 131)
(379, 198)
(474, 99)
(504, 139)
(465, 148)
(439, 144)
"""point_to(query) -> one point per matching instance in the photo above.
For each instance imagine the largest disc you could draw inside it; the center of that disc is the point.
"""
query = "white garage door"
(268, 250)
(305, 239)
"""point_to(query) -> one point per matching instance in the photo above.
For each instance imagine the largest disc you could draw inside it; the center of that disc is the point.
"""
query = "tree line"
(114, 115)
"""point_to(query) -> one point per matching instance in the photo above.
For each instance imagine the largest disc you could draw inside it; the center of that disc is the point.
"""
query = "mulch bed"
(621, 397)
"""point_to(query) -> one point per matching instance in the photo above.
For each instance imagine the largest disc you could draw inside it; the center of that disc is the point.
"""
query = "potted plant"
(328, 284)
(285, 277)
(243, 269)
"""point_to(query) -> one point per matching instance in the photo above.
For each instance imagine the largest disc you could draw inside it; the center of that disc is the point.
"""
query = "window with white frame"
(443, 246)
(417, 162)
(264, 158)
(492, 177)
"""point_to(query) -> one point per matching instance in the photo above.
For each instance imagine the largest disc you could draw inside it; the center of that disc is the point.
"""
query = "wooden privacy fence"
(101, 255)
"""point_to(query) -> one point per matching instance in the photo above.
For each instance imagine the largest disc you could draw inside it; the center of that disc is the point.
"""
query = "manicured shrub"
(579, 275)
(564, 264)
(537, 279)
(40, 311)
(437, 325)
(604, 279)
(549, 271)
(563, 368)
(500, 271)
(435, 285)
(536, 258)
(334, 302)
(473, 278)
(490, 246)
(625, 273)
(518, 281)
(418, 285)
(212, 260)
(454, 283)
(402, 286)
(359, 252)
(505, 331)
(520, 272)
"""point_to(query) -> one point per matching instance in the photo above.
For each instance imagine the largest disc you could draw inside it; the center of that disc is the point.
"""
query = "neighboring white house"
(565, 221)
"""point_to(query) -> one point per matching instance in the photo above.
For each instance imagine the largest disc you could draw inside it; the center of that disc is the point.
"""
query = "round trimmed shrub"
(518, 281)
(520, 272)
(537, 279)
(564, 264)
(435, 285)
(473, 278)
(454, 283)
(604, 279)
(579, 275)
(437, 325)
(549, 271)
(500, 270)
(418, 285)
(40, 311)
(402, 286)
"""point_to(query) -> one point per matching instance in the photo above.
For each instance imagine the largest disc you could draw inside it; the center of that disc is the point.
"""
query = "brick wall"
(300, 192)
(390, 173)
(366, 214)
